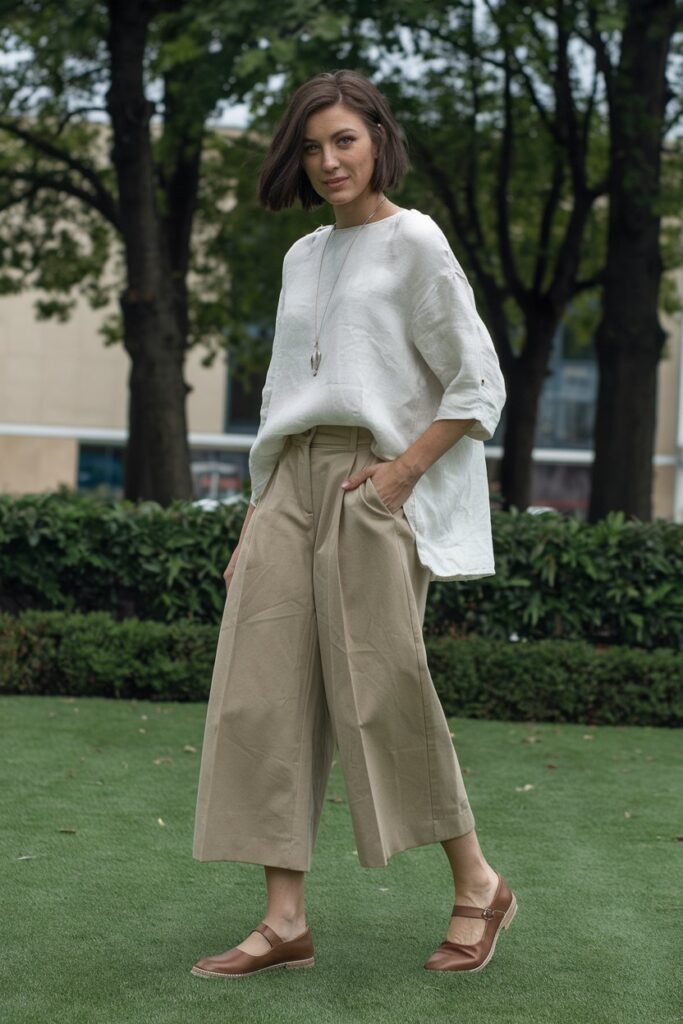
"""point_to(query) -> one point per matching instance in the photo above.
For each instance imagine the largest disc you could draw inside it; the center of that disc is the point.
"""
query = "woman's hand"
(393, 482)
(230, 568)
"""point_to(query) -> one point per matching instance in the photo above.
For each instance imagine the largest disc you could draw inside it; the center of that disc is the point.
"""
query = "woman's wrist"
(439, 436)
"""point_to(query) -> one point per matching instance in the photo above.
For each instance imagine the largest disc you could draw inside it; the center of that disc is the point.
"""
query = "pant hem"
(448, 828)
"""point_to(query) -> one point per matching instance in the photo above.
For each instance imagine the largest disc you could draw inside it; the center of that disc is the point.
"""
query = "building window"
(564, 487)
(243, 405)
(216, 473)
(100, 469)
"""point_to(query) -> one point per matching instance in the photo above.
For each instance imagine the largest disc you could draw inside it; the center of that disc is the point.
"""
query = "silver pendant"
(315, 360)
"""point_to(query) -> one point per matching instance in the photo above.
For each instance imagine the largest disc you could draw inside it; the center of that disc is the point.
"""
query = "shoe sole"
(505, 923)
(200, 973)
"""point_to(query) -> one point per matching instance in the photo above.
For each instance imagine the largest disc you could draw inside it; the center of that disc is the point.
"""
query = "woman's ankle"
(287, 924)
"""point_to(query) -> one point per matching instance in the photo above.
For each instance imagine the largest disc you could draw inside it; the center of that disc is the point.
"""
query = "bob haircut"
(283, 180)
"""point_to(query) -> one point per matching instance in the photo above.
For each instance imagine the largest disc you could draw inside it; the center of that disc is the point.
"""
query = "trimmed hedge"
(546, 680)
(615, 582)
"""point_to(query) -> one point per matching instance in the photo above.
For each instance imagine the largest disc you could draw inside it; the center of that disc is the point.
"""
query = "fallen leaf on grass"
(628, 814)
(530, 739)
(141, 730)
(523, 789)
(163, 760)
(551, 766)
(336, 800)
(66, 829)
(189, 749)
(161, 822)
(588, 736)
(27, 856)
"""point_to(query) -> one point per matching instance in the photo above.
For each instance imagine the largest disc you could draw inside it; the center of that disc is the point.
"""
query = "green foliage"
(76, 552)
(545, 681)
(557, 681)
(614, 582)
(54, 652)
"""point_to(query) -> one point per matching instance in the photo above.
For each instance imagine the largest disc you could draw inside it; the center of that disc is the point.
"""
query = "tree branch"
(64, 185)
(101, 198)
(505, 247)
(545, 230)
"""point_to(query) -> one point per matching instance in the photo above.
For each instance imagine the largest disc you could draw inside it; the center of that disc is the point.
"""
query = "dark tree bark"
(153, 304)
(630, 338)
(524, 382)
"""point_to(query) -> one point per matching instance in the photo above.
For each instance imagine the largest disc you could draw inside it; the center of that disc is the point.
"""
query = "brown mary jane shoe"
(456, 956)
(296, 952)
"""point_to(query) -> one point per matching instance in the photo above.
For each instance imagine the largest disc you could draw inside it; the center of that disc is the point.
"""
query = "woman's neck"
(375, 207)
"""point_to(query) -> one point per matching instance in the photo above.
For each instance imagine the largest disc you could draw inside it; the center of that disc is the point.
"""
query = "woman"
(368, 481)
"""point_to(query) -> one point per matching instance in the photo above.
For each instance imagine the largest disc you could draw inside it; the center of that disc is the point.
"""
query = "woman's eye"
(344, 138)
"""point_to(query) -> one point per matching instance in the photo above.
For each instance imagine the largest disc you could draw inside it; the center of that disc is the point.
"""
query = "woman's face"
(337, 145)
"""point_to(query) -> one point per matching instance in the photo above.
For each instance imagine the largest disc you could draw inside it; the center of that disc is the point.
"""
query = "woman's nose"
(329, 161)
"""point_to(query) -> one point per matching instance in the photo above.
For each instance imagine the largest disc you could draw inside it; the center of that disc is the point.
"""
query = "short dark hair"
(283, 180)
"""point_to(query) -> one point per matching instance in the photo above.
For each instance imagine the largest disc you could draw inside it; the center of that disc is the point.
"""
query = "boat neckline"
(370, 223)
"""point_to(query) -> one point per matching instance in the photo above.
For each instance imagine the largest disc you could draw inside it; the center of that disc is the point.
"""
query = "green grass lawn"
(105, 911)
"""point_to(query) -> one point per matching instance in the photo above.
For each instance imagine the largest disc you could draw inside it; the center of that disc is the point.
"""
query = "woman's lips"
(336, 183)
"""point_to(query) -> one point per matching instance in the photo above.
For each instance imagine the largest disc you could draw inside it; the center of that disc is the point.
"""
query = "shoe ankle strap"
(265, 929)
(460, 910)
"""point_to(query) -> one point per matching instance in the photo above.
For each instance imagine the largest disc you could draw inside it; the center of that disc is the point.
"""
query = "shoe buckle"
(488, 912)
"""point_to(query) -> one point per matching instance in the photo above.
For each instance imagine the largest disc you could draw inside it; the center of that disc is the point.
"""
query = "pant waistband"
(332, 435)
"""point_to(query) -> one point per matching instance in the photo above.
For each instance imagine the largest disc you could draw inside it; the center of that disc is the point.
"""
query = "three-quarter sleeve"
(456, 345)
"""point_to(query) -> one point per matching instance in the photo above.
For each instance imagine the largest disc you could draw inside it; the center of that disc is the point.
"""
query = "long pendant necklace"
(316, 357)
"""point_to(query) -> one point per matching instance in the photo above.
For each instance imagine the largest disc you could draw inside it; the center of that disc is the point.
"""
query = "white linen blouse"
(402, 345)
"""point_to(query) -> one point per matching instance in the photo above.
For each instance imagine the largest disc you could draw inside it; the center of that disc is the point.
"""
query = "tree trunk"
(524, 384)
(157, 457)
(157, 461)
(629, 339)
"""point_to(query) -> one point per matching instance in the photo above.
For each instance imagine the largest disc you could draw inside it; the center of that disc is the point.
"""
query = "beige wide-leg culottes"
(321, 647)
